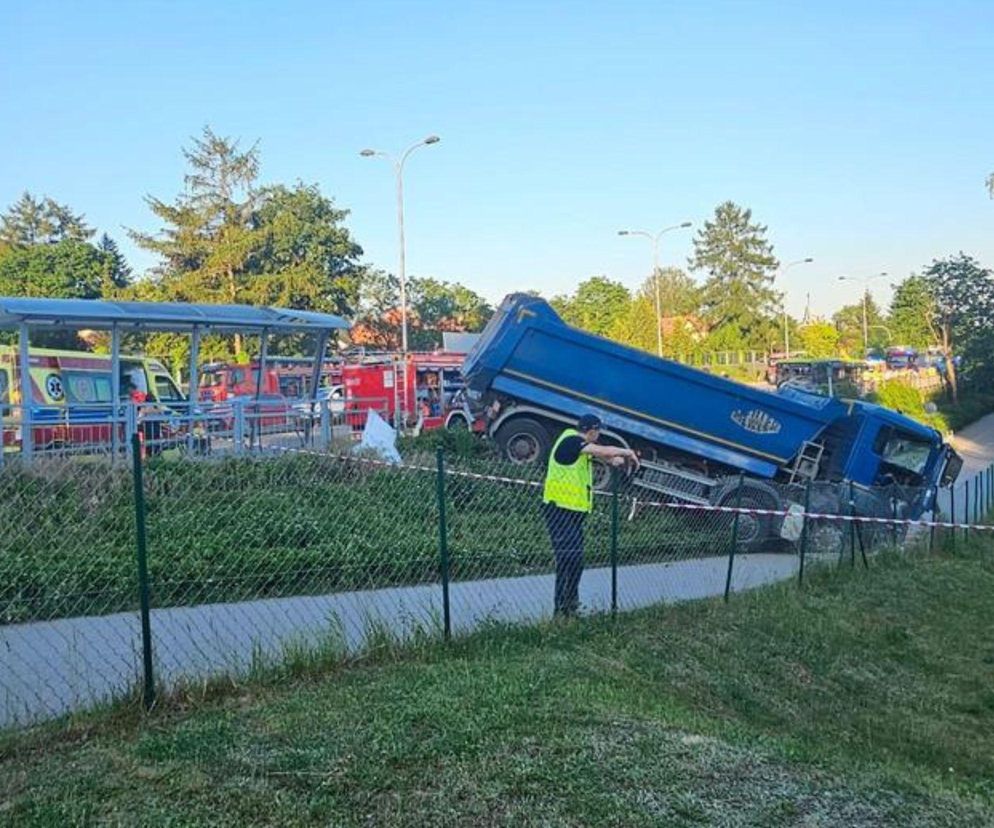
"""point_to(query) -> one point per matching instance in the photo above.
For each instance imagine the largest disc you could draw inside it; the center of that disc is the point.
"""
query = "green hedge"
(908, 400)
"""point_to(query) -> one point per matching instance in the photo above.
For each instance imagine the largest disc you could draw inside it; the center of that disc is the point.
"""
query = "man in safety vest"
(568, 497)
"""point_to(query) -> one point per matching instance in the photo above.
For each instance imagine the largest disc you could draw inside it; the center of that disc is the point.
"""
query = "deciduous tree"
(964, 296)
(595, 306)
(912, 313)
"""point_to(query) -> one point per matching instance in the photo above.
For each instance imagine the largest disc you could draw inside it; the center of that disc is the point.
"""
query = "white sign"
(793, 523)
(379, 438)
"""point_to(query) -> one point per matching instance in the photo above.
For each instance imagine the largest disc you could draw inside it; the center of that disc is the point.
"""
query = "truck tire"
(826, 536)
(755, 531)
(456, 421)
(524, 441)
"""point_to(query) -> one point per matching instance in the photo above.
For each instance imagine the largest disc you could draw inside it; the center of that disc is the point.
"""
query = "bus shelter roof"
(162, 316)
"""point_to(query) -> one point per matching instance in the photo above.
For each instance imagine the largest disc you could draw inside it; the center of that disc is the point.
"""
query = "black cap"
(588, 422)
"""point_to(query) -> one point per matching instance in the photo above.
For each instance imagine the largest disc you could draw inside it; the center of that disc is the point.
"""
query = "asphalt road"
(975, 443)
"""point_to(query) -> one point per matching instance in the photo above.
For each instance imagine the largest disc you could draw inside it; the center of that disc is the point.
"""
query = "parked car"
(334, 395)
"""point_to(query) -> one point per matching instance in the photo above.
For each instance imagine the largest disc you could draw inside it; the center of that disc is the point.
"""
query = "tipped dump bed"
(530, 354)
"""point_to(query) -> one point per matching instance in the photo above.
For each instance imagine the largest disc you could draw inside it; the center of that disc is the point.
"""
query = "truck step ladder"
(676, 483)
(807, 463)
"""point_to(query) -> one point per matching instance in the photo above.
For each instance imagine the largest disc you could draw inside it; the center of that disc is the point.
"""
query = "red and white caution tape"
(675, 505)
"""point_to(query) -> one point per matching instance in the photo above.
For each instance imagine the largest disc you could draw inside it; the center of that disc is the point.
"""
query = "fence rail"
(118, 578)
(234, 426)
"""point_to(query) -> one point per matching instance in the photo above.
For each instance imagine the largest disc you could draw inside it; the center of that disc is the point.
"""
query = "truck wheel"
(826, 536)
(754, 530)
(456, 422)
(602, 476)
(523, 441)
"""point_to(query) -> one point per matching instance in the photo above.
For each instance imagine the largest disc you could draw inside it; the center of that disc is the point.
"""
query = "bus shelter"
(25, 315)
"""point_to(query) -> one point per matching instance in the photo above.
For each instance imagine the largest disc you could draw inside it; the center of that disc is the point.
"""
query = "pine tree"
(738, 294)
(209, 237)
(30, 221)
(117, 273)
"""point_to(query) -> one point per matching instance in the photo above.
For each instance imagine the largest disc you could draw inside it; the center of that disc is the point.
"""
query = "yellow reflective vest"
(570, 487)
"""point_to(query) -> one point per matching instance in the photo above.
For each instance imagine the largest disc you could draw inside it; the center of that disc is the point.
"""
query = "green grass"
(949, 417)
(972, 406)
(244, 528)
(865, 699)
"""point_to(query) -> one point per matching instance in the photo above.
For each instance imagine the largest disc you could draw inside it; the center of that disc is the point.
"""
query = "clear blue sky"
(860, 133)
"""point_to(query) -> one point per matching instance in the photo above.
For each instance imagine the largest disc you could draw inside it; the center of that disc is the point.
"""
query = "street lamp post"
(398, 164)
(866, 289)
(786, 330)
(654, 238)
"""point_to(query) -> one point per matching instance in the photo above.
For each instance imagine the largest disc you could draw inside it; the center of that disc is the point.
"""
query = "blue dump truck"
(532, 375)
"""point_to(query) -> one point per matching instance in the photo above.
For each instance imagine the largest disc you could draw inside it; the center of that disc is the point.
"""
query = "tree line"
(227, 238)
(735, 306)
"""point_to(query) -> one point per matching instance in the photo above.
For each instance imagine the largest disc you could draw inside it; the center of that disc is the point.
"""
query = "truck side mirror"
(954, 465)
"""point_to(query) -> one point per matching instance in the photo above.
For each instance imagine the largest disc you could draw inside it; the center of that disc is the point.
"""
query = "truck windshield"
(166, 390)
(902, 450)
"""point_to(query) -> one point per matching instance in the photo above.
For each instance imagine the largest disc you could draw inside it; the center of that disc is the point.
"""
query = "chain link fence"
(121, 579)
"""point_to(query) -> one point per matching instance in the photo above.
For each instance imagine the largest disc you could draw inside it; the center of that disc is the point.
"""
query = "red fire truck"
(419, 389)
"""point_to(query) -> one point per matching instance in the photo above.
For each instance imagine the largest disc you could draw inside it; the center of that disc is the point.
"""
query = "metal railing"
(201, 428)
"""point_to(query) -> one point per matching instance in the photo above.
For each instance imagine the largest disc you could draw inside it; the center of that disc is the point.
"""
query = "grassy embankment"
(865, 699)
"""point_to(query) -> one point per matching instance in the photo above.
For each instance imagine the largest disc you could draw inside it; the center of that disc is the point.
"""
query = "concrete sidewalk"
(51, 668)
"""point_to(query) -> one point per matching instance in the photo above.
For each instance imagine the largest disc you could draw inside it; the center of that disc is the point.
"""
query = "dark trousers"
(566, 534)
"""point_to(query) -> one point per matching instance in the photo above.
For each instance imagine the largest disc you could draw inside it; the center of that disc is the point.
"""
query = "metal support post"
(255, 426)
(325, 425)
(115, 392)
(193, 391)
(322, 345)
(735, 536)
(804, 533)
(615, 476)
(27, 395)
(966, 510)
(443, 545)
(238, 425)
(852, 524)
(952, 508)
(148, 694)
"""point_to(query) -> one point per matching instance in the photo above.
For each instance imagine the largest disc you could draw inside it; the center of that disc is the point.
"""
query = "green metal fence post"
(952, 519)
(804, 533)
(615, 476)
(443, 545)
(735, 536)
(978, 490)
(852, 524)
(148, 693)
(893, 518)
(966, 511)
(990, 488)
